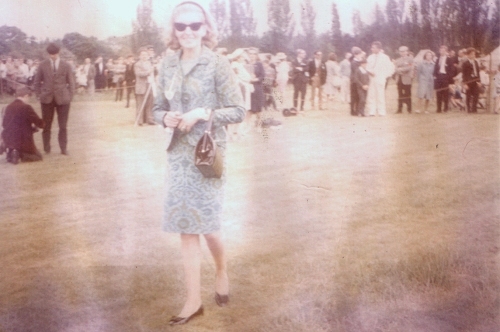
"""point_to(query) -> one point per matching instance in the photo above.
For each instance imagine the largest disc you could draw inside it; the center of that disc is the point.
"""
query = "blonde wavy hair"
(210, 40)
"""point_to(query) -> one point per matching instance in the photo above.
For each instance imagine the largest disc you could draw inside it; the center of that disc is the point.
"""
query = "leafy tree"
(11, 39)
(493, 29)
(86, 47)
(145, 30)
(82, 47)
(241, 24)
(393, 14)
(336, 31)
(378, 16)
(115, 46)
(307, 20)
(348, 41)
(12, 35)
(218, 11)
(236, 13)
(426, 36)
(357, 23)
(411, 29)
(249, 23)
(325, 45)
(281, 26)
(4, 47)
(472, 17)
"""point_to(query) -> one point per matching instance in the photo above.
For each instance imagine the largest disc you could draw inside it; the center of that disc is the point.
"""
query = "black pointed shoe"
(221, 300)
(176, 320)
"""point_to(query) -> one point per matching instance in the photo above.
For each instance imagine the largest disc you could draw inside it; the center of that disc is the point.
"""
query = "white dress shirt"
(442, 64)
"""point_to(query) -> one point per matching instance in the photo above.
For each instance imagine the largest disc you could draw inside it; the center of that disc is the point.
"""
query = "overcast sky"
(105, 18)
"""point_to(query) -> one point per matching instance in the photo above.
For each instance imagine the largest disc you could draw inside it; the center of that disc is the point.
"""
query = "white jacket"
(381, 66)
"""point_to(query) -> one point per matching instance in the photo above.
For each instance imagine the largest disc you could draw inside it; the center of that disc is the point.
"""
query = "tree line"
(424, 25)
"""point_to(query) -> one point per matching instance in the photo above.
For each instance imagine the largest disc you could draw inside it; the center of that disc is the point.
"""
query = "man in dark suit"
(129, 77)
(444, 71)
(18, 129)
(361, 79)
(317, 74)
(471, 81)
(100, 74)
(300, 77)
(55, 86)
(355, 63)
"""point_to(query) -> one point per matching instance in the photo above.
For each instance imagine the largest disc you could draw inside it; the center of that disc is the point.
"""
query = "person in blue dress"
(425, 77)
(194, 84)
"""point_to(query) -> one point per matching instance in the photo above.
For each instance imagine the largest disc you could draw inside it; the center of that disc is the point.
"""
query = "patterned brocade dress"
(193, 203)
(425, 74)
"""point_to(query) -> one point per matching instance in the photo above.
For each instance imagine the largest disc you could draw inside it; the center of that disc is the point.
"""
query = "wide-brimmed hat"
(280, 56)
(237, 53)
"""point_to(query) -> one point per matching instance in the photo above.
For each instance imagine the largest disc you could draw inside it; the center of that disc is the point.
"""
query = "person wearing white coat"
(380, 67)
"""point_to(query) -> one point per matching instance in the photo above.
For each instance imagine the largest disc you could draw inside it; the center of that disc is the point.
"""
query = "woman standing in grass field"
(195, 84)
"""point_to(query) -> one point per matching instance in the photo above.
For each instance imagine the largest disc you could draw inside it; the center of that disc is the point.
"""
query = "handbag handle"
(208, 128)
(208, 131)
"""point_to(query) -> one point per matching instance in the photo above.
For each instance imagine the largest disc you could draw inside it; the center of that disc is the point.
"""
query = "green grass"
(332, 223)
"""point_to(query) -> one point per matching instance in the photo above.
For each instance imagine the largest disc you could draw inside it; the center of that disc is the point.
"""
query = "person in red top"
(18, 128)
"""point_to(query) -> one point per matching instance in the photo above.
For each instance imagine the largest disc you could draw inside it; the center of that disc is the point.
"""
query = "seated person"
(456, 98)
(484, 78)
(18, 128)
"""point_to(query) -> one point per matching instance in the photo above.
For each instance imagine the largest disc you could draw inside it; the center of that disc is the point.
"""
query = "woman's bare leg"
(191, 260)
(216, 247)
(420, 105)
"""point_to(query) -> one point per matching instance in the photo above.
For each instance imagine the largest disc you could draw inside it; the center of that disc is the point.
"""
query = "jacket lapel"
(204, 59)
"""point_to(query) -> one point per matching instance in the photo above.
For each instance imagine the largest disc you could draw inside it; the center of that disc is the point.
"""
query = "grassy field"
(332, 223)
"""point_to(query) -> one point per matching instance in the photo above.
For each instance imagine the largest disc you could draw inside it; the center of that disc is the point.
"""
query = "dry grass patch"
(332, 223)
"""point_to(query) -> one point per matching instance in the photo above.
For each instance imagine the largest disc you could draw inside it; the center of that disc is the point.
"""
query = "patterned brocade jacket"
(210, 84)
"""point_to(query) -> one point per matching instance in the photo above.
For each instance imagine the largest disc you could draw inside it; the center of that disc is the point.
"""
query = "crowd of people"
(90, 76)
(329, 80)
(454, 80)
(361, 80)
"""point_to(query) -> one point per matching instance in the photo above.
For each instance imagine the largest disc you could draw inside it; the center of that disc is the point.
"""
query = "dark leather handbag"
(208, 157)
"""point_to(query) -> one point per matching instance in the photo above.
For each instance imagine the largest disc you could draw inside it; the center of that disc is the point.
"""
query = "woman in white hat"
(282, 73)
(239, 64)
